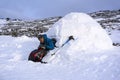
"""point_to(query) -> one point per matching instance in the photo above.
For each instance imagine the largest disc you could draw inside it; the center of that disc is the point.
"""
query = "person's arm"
(50, 45)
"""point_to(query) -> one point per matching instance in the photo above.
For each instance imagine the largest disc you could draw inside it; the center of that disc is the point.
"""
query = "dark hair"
(40, 36)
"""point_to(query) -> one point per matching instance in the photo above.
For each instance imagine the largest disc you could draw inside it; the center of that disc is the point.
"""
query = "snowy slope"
(67, 64)
(89, 66)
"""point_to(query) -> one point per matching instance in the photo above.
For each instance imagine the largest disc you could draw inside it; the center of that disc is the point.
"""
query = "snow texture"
(89, 34)
(82, 66)
(71, 62)
(2, 22)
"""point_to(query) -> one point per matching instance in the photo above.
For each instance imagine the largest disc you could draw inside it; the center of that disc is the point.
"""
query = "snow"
(115, 36)
(70, 63)
(84, 66)
(2, 22)
(99, 19)
(15, 43)
(89, 34)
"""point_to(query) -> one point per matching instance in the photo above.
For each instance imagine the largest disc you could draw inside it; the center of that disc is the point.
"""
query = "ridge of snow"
(90, 35)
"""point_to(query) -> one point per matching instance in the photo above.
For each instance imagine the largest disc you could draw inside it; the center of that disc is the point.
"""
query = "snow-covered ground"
(115, 36)
(2, 22)
(89, 66)
(70, 63)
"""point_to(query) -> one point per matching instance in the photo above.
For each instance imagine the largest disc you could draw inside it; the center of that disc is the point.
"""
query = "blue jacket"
(48, 43)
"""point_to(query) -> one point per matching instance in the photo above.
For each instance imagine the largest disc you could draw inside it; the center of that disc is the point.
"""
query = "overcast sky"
(38, 9)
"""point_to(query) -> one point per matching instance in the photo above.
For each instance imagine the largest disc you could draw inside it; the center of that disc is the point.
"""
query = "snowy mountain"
(109, 20)
(91, 56)
(16, 27)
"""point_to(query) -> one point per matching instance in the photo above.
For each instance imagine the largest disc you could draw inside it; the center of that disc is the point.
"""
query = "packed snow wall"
(88, 34)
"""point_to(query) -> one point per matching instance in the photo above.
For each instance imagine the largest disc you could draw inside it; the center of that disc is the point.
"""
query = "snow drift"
(68, 64)
(14, 52)
(88, 33)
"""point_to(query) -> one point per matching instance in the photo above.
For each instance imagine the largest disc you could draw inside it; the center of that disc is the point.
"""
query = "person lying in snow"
(46, 44)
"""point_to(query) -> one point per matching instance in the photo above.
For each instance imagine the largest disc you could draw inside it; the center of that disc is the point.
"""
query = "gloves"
(42, 47)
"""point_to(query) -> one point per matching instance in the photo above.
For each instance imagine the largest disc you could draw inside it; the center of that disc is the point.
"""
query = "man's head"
(41, 38)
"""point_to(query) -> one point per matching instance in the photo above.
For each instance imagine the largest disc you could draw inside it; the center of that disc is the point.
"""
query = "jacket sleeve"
(50, 45)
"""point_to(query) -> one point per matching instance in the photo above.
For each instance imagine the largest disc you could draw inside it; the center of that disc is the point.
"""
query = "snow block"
(89, 34)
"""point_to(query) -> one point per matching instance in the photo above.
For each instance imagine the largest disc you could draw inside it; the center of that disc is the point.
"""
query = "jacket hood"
(44, 36)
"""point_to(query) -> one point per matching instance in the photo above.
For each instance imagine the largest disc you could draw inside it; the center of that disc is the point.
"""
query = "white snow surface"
(89, 34)
(2, 22)
(71, 62)
(73, 66)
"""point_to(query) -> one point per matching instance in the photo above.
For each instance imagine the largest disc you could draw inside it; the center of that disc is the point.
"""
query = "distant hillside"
(16, 27)
(109, 20)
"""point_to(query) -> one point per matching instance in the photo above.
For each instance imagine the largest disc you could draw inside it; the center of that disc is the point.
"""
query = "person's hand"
(43, 47)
